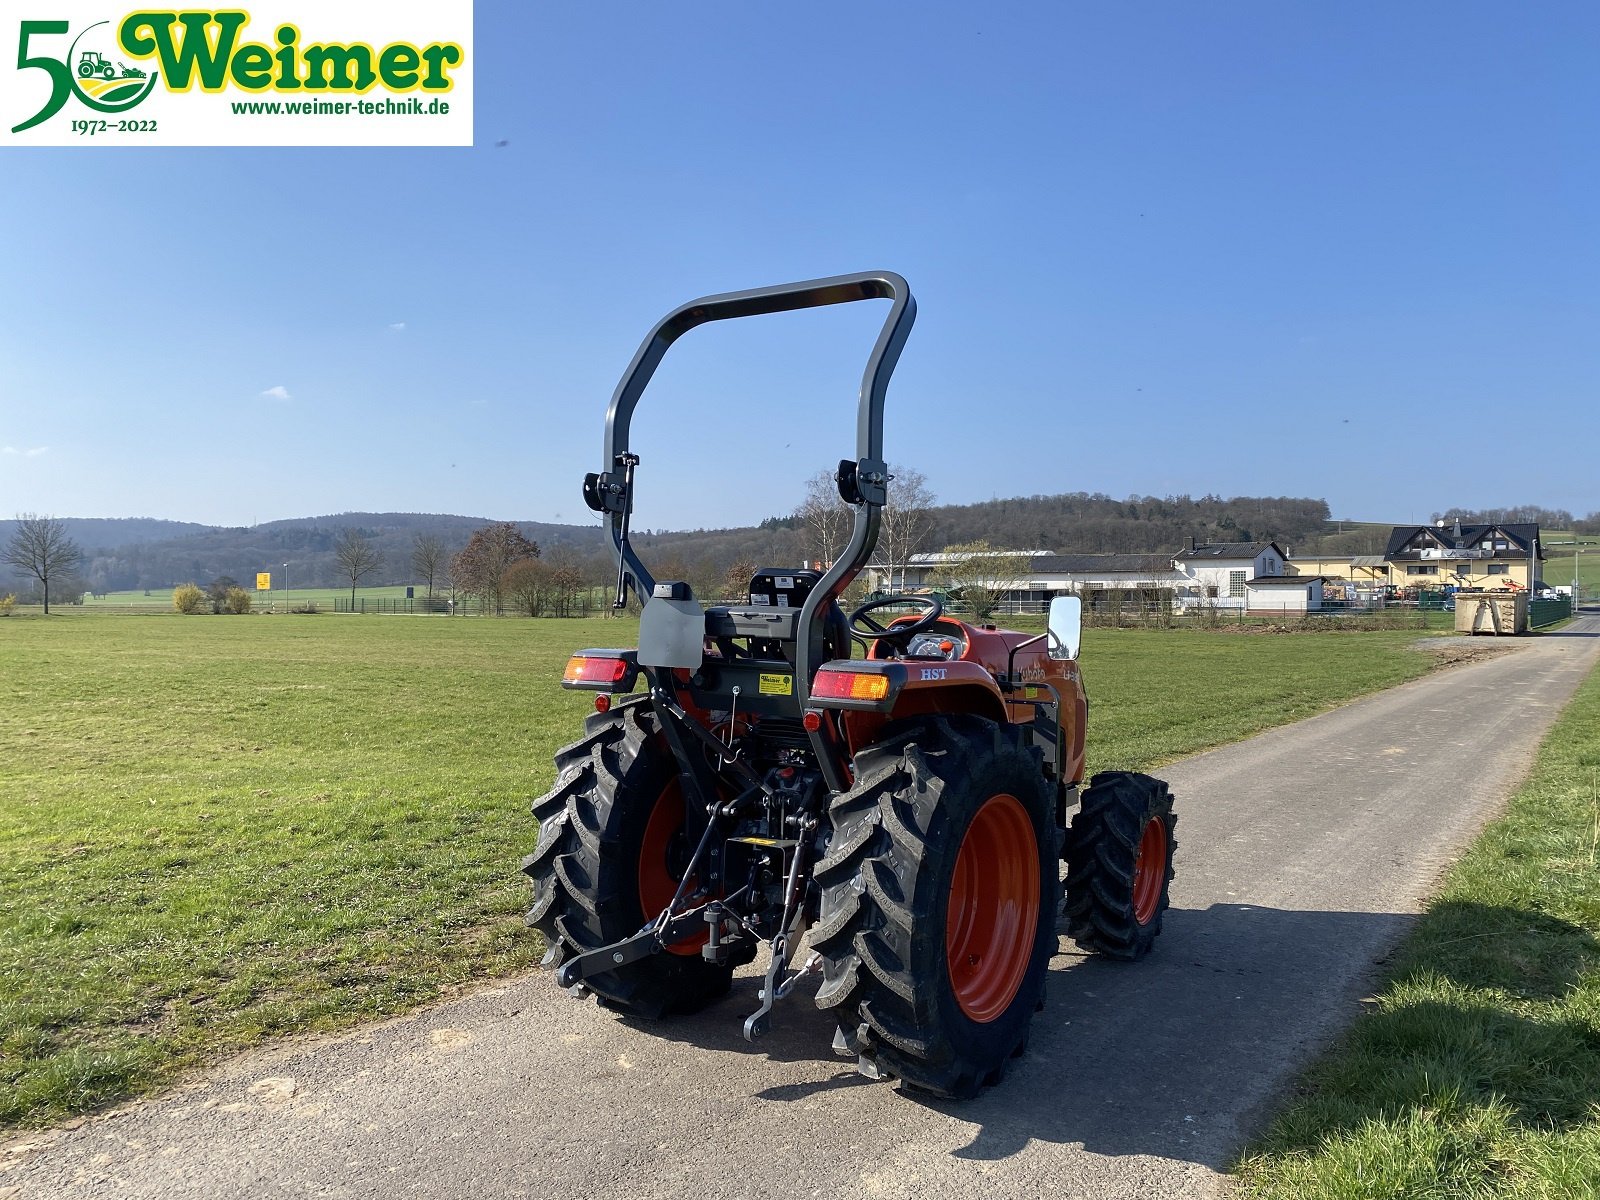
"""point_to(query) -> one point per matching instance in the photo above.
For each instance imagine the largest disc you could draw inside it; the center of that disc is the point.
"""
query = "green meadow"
(215, 830)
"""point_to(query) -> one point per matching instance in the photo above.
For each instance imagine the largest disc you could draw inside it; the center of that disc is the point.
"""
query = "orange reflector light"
(812, 721)
(602, 702)
(850, 685)
(595, 670)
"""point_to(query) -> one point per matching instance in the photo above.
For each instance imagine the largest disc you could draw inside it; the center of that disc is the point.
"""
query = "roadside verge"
(1475, 1069)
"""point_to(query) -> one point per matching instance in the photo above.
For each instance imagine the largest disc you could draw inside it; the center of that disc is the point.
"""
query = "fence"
(464, 606)
(402, 604)
(1548, 612)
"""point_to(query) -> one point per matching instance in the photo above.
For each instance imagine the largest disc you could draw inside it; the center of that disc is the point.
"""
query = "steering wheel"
(900, 635)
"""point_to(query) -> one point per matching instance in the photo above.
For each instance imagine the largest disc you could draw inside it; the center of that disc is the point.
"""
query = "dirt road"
(1303, 853)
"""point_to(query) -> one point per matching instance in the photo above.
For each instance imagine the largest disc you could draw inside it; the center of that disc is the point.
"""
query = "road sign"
(263, 581)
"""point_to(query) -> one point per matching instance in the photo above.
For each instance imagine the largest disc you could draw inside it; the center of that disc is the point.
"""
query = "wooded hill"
(135, 554)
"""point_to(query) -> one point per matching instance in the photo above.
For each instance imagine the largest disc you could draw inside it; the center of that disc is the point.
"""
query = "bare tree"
(569, 585)
(41, 547)
(527, 584)
(356, 557)
(736, 580)
(479, 570)
(428, 557)
(907, 521)
(827, 518)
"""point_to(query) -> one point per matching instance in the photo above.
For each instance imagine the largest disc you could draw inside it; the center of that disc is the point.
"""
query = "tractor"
(891, 792)
(92, 62)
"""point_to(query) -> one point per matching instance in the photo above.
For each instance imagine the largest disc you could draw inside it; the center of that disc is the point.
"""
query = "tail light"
(850, 685)
(602, 670)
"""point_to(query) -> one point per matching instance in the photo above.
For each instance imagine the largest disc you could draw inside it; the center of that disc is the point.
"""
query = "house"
(1464, 556)
(1218, 574)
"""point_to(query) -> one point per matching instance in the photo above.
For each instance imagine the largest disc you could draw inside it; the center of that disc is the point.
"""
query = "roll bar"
(610, 491)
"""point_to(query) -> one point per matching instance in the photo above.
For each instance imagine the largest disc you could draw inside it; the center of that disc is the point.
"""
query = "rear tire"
(1119, 864)
(939, 891)
(602, 830)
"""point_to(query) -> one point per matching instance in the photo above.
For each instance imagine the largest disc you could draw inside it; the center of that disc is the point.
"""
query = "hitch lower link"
(652, 939)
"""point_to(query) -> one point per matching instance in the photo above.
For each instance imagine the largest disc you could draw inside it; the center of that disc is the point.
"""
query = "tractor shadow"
(800, 1031)
(1186, 1054)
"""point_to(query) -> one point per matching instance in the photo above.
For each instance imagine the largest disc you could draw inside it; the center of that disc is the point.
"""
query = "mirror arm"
(1011, 659)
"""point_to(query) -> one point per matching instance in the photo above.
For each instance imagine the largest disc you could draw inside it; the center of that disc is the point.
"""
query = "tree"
(479, 570)
(218, 591)
(979, 574)
(356, 557)
(736, 581)
(826, 517)
(907, 521)
(527, 584)
(569, 585)
(41, 547)
(428, 557)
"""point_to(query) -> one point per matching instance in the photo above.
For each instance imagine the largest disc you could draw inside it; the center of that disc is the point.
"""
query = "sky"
(1346, 250)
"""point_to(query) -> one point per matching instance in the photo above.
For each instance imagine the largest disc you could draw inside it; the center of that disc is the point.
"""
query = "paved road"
(1303, 852)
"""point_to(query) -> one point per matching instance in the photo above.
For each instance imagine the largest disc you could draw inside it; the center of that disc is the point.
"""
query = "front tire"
(611, 851)
(939, 891)
(1119, 864)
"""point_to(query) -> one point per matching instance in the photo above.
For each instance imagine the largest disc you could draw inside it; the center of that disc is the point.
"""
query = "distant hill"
(114, 531)
(137, 553)
(121, 555)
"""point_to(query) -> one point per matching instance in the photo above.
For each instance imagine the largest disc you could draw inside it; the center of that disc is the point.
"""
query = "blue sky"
(1346, 251)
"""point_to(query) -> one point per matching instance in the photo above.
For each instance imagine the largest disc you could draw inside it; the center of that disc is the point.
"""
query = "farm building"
(1283, 595)
(1211, 575)
(1218, 574)
(1257, 576)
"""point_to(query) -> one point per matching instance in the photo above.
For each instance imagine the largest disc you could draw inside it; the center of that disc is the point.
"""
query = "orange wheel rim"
(994, 908)
(1149, 871)
(661, 853)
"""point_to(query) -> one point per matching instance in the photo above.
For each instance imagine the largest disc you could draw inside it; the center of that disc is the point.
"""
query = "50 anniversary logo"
(227, 77)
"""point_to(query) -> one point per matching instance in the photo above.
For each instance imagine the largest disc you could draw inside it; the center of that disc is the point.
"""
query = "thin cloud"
(33, 452)
(277, 393)
(398, 327)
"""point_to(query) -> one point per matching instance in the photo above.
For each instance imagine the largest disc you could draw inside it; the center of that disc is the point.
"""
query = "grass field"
(1476, 1070)
(1558, 567)
(214, 830)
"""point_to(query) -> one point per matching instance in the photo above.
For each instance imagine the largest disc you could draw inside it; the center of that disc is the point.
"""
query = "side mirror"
(1065, 626)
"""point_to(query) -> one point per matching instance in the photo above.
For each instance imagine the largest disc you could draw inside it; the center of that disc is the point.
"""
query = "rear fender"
(908, 688)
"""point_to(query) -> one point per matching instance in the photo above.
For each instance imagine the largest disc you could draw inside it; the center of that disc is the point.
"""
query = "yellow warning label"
(777, 685)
